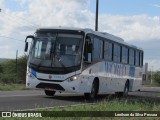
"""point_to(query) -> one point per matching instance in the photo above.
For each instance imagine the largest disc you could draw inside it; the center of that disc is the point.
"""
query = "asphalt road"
(33, 99)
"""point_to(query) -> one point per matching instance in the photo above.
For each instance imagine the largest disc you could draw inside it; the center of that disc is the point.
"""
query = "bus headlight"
(30, 75)
(73, 78)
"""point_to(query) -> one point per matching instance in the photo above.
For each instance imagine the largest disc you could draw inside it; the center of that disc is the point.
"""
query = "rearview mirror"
(26, 47)
(30, 36)
(26, 43)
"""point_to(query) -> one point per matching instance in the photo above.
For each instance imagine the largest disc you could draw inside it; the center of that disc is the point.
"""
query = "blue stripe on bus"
(33, 72)
(132, 71)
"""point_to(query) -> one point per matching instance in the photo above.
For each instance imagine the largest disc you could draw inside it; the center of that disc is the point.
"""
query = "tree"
(1, 69)
(22, 67)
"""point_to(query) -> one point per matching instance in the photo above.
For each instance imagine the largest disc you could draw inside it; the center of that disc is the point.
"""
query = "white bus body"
(103, 59)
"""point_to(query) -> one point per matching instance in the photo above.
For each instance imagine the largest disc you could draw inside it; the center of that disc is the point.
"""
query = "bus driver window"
(88, 50)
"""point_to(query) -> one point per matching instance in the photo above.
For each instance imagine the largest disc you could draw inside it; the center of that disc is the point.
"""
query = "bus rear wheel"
(125, 91)
(49, 93)
(94, 91)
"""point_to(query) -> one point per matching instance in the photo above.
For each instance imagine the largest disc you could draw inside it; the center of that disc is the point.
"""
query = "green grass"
(11, 87)
(116, 105)
(152, 85)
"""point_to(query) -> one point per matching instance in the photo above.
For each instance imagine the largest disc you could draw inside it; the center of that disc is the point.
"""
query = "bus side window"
(141, 59)
(97, 49)
(116, 53)
(137, 58)
(108, 51)
(124, 55)
(131, 57)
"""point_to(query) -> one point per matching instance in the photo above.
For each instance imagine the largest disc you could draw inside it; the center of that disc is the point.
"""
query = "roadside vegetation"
(10, 87)
(155, 77)
(115, 105)
(10, 77)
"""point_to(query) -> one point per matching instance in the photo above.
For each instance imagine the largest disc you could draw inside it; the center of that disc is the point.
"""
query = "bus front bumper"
(75, 86)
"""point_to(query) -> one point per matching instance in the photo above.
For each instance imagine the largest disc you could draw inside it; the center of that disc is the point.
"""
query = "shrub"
(156, 77)
(8, 78)
(8, 72)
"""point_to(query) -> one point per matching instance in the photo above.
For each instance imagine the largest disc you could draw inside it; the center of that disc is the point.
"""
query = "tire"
(94, 91)
(125, 91)
(119, 94)
(49, 93)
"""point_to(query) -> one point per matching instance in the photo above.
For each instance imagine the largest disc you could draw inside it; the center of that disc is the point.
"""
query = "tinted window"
(97, 49)
(116, 53)
(131, 57)
(108, 51)
(38, 49)
(137, 58)
(63, 50)
(141, 58)
(124, 55)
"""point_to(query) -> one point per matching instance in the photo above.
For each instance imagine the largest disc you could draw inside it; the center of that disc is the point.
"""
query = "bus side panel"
(85, 83)
(112, 76)
(136, 81)
(111, 85)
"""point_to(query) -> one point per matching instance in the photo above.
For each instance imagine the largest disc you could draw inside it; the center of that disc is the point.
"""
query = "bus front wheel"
(49, 93)
(94, 91)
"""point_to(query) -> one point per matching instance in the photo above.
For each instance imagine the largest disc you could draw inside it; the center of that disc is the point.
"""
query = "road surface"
(33, 99)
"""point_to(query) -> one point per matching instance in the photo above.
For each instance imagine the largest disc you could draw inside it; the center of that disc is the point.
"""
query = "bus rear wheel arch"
(125, 90)
(94, 90)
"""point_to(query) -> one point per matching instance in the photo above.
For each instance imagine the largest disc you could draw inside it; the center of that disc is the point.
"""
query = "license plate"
(49, 89)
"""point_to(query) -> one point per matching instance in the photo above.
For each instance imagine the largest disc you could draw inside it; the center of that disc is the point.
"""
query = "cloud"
(39, 13)
(2, 5)
(59, 13)
(132, 28)
(151, 51)
(153, 64)
(156, 5)
(141, 30)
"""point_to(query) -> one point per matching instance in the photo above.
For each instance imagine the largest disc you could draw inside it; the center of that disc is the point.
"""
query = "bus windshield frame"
(56, 52)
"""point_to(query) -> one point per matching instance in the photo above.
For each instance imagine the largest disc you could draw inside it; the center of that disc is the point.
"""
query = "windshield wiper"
(62, 64)
(54, 55)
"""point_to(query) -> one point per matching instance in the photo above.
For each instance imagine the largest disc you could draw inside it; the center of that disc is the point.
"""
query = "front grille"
(50, 80)
(51, 86)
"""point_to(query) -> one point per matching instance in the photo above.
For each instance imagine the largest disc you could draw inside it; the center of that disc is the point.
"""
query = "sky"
(136, 21)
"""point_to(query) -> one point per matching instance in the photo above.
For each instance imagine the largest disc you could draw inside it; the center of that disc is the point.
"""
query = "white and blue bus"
(82, 61)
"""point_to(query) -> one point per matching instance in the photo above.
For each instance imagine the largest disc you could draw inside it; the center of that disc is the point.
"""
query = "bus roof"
(106, 35)
(112, 38)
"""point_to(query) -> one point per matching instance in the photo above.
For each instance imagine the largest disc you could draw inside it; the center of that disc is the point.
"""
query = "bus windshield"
(57, 51)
